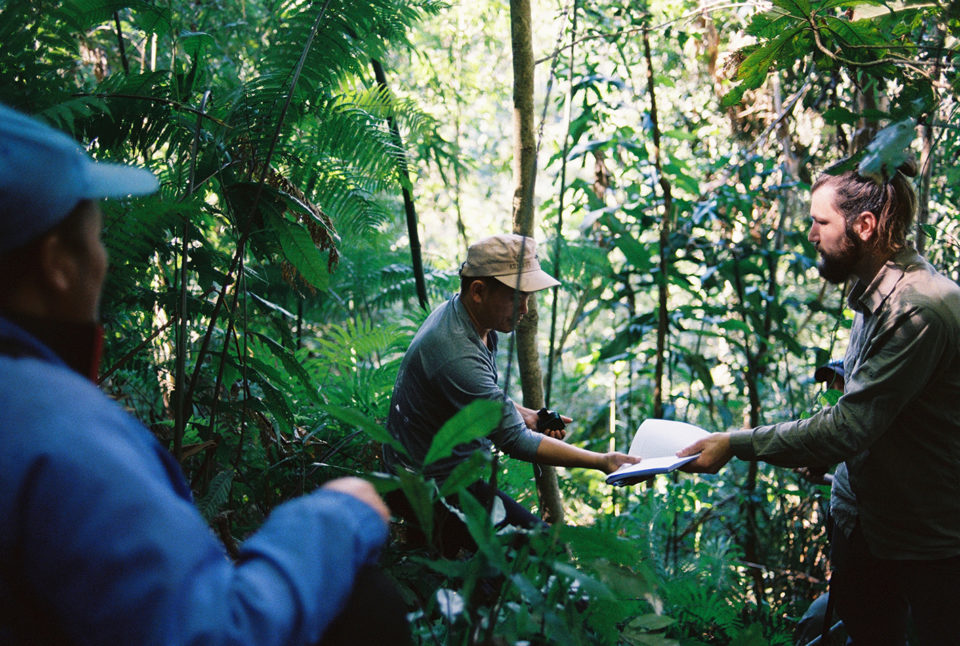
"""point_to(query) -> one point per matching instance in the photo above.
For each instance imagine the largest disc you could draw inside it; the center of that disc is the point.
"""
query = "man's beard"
(837, 268)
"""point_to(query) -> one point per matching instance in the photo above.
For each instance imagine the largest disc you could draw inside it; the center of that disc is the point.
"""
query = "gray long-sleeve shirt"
(897, 425)
(445, 368)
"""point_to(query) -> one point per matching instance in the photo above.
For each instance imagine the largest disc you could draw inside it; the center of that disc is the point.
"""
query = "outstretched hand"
(614, 460)
(714, 452)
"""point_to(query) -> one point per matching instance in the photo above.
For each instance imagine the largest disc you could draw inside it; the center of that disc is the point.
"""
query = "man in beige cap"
(451, 363)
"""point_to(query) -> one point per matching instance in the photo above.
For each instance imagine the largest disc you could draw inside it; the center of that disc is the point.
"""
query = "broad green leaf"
(622, 581)
(480, 526)
(888, 150)
(736, 324)
(589, 584)
(293, 366)
(831, 396)
(528, 591)
(383, 482)
(421, 496)
(588, 543)
(840, 115)
(653, 622)
(355, 418)
(589, 146)
(301, 251)
(277, 404)
(477, 419)
(466, 473)
(636, 252)
(755, 67)
(194, 42)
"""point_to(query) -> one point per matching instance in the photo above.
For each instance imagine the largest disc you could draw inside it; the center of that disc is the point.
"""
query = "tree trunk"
(662, 282)
(524, 174)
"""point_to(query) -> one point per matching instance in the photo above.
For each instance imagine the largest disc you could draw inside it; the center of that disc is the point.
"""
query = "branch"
(636, 30)
(140, 346)
(851, 63)
(153, 99)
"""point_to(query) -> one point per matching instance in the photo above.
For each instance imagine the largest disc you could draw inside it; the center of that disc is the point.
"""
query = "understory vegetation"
(323, 166)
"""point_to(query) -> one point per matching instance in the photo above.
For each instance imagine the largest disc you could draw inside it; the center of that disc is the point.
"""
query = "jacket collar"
(868, 299)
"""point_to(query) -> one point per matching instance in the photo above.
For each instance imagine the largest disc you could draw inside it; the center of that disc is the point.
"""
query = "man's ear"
(865, 225)
(476, 290)
(58, 267)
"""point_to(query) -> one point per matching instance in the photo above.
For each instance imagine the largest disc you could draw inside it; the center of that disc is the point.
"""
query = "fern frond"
(218, 494)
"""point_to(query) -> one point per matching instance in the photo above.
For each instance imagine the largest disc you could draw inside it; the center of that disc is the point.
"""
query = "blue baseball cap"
(44, 174)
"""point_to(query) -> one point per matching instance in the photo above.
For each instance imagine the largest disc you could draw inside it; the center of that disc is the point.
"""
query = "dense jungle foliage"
(258, 306)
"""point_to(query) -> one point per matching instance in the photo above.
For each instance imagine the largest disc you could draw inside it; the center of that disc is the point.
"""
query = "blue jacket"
(100, 542)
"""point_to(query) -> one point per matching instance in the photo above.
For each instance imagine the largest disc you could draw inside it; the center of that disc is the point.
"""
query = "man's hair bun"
(908, 168)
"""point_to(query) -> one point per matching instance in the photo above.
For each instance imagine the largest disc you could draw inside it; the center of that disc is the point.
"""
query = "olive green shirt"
(897, 425)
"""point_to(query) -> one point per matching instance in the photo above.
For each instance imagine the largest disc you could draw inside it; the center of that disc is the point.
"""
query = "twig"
(140, 346)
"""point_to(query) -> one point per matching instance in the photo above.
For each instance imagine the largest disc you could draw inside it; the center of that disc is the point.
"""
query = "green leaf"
(466, 473)
(293, 366)
(653, 622)
(831, 397)
(353, 417)
(300, 250)
(637, 254)
(590, 585)
(384, 483)
(528, 591)
(755, 67)
(621, 580)
(589, 543)
(888, 150)
(475, 420)
(480, 526)
(840, 115)
(421, 495)
(217, 495)
(194, 42)
(277, 404)
(736, 324)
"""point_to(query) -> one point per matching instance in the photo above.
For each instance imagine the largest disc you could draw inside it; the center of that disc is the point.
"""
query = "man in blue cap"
(100, 542)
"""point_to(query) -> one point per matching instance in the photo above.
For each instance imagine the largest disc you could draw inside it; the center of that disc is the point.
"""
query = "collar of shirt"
(868, 299)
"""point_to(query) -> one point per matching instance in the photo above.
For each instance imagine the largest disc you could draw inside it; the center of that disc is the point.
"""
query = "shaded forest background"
(324, 166)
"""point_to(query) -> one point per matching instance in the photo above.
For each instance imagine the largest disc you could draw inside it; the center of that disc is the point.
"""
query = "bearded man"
(896, 497)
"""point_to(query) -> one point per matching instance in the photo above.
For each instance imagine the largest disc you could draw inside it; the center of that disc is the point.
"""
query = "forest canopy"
(323, 167)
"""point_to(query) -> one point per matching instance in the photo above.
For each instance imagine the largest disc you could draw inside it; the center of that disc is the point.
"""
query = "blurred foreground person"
(100, 543)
